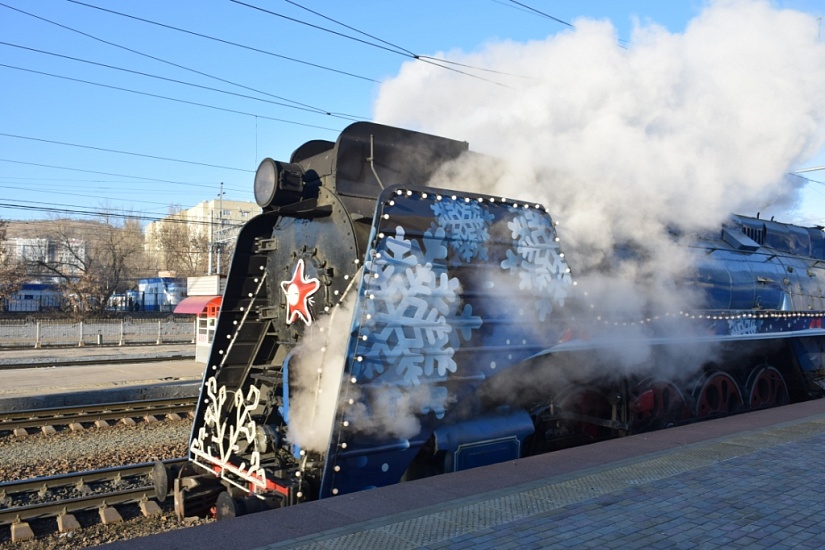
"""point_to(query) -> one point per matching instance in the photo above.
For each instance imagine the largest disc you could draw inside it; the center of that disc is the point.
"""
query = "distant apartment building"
(69, 255)
(202, 229)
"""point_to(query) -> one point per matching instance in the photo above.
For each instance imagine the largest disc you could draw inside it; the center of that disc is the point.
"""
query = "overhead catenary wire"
(141, 178)
(227, 42)
(103, 149)
(529, 9)
(547, 15)
(142, 93)
(389, 47)
(176, 65)
(400, 49)
(181, 82)
(52, 192)
(101, 213)
(167, 98)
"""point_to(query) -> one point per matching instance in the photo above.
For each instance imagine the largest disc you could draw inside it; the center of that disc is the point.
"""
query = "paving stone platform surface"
(748, 481)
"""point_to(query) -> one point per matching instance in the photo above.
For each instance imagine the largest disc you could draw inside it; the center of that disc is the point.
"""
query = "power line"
(81, 211)
(117, 187)
(176, 81)
(124, 152)
(158, 96)
(52, 192)
(227, 42)
(534, 11)
(547, 15)
(157, 180)
(390, 47)
(94, 180)
(393, 48)
(182, 67)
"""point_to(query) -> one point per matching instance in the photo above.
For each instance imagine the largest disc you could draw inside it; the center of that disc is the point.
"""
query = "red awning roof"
(197, 304)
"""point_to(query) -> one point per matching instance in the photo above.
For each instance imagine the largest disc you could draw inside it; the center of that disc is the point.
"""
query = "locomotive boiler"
(375, 330)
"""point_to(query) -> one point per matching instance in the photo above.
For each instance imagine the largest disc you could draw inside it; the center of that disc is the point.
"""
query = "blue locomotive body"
(374, 330)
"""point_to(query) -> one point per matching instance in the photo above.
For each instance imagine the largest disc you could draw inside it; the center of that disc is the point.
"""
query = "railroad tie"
(20, 432)
(76, 427)
(102, 423)
(173, 416)
(48, 430)
(127, 421)
(21, 531)
(149, 419)
(150, 508)
(67, 522)
(109, 515)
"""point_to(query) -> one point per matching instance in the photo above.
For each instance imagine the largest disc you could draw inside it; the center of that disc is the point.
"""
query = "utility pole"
(211, 241)
(220, 229)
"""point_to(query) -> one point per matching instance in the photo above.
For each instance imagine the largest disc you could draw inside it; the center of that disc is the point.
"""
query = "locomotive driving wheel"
(717, 393)
(767, 388)
(658, 404)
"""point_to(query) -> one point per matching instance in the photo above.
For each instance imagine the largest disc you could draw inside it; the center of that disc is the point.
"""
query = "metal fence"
(40, 333)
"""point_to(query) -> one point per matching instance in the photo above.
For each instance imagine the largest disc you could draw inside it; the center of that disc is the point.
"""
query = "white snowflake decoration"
(410, 311)
(743, 326)
(466, 226)
(538, 260)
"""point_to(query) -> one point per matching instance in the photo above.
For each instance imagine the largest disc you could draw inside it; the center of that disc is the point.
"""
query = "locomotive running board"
(802, 325)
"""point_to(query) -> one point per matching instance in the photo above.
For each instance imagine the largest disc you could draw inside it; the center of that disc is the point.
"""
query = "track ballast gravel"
(95, 448)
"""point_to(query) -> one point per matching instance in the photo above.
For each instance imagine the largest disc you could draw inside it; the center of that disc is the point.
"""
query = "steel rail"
(63, 416)
(84, 502)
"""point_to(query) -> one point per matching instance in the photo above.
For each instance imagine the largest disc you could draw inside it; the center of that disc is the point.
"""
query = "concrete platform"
(752, 480)
(76, 376)
(75, 355)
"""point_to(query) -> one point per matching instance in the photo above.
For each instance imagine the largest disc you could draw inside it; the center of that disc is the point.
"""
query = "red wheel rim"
(719, 395)
(768, 389)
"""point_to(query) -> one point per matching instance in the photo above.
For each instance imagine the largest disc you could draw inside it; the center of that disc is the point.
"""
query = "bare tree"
(182, 247)
(12, 270)
(90, 260)
(119, 253)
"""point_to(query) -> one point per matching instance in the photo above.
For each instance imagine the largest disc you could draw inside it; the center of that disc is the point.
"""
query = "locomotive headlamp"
(278, 183)
(265, 186)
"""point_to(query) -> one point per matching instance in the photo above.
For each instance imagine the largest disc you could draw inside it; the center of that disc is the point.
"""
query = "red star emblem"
(298, 292)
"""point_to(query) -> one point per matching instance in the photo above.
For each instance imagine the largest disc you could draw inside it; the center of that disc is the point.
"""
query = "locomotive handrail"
(248, 309)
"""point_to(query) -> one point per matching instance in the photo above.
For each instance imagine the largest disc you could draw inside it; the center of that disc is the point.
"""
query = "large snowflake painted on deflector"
(413, 320)
(466, 226)
(538, 261)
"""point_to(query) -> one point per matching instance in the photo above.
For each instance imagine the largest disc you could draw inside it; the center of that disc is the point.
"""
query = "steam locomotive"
(375, 330)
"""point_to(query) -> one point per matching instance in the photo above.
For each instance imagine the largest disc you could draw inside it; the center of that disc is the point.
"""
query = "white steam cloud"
(316, 372)
(624, 144)
(315, 375)
(619, 142)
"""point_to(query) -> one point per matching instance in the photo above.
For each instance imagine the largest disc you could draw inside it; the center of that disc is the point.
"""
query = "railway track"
(13, 421)
(63, 495)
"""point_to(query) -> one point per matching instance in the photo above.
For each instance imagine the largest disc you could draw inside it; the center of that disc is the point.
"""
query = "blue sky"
(87, 125)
